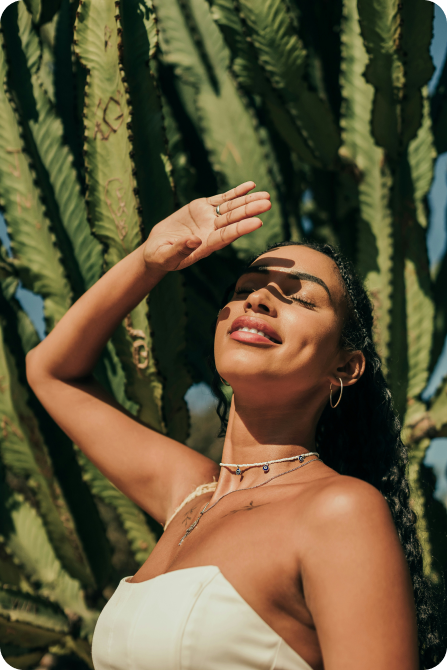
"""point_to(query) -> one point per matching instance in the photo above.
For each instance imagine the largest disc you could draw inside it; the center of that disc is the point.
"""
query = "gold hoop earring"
(223, 381)
(339, 397)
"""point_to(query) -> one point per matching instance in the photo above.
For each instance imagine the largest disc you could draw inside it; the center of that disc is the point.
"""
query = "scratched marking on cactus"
(140, 349)
(111, 117)
(107, 37)
(114, 198)
(246, 508)
(24, 201)
(229, 148)
(15, 171)
(6, 422)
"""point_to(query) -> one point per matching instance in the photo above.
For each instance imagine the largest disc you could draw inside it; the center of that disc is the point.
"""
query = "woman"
(290, 564)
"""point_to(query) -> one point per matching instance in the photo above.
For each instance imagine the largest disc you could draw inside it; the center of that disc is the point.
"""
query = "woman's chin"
(245, 375)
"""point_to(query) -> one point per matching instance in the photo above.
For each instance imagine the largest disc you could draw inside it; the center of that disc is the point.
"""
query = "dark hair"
(362, 438)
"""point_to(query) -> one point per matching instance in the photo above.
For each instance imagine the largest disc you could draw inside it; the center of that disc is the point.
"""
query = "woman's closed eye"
(296, 298)
(307, 303)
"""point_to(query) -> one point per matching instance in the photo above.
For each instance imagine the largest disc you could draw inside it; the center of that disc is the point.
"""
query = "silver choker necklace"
(266, 464)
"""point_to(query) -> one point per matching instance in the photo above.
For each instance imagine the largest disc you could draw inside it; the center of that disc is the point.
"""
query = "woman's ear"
(351, 370)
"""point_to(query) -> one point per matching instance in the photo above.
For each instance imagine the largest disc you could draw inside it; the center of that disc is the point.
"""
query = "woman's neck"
(263, 433)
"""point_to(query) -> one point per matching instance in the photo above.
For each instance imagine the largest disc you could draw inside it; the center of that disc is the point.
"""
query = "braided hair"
(362, 438)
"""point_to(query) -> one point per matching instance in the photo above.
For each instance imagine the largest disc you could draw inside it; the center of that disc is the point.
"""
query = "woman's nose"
(260, 301)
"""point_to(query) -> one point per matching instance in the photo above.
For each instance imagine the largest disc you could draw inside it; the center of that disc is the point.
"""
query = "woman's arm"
(357, 583)
(153, 470)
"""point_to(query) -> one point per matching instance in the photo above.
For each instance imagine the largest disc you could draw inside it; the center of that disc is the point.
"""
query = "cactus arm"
(167, 311)
(419, 300)
(282, 54)
(34, 254)
(34, 7)
(413, 306)
(141, 539)
(53, 160)
(26, 456)
(439, 111)
(46, 69)
(32, 549)
(201, 314)
(419, 504)
(374, 250)
(225, 124)
(253, 77)
(381, 30)
(183, 173)
(111, 200)
(415, 177)
(421, 156)
(42, 11)
(81, 251)
(320, 30)
(168, 318)
(417, 34)
(66, 71)
(139, 44)
(67, 472)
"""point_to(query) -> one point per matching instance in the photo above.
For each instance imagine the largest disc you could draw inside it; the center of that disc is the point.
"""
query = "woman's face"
(293, 297)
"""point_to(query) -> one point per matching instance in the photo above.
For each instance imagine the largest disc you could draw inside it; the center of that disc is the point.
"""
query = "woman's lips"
(243, 336)
(262, 332)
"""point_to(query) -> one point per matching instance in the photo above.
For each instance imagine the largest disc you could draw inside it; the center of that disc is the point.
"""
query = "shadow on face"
(279, 335)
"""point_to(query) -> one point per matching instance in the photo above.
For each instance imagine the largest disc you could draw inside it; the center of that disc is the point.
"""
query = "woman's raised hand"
(196, 230)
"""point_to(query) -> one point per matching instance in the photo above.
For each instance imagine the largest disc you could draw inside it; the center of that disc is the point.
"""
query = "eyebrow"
(296, 274)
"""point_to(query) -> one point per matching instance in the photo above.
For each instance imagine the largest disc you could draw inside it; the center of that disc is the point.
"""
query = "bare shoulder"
(356, 579)
(348, 517)
(345, 499)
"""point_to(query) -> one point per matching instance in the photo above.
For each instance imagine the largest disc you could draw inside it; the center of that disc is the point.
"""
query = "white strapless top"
(187, 619)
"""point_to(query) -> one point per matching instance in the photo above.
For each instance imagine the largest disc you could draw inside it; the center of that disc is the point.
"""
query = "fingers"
(240, 190)
(244, 200)
(247, 211)
(223, 236)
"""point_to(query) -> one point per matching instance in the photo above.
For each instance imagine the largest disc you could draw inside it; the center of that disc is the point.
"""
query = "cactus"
(115, 114)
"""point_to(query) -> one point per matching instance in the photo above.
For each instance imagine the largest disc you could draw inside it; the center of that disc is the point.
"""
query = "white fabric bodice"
(187, 619)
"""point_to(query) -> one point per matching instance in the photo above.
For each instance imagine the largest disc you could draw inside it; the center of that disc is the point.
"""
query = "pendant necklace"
(205, 510)
(266, 464)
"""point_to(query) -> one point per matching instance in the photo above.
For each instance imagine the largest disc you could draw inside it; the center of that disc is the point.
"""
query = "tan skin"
(314, 553)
